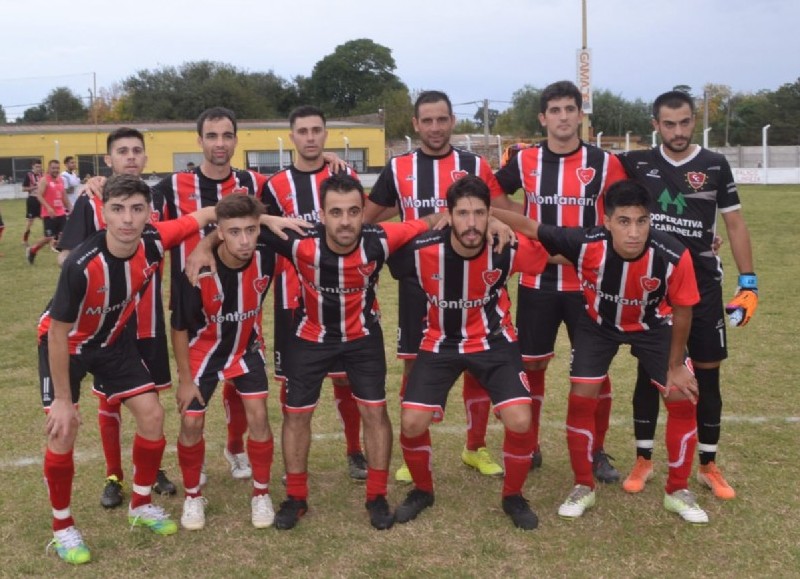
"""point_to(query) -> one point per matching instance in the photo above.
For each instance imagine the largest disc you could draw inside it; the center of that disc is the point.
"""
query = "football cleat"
(580, 499)
(481, 461)
(240, 465)
(380, 517)
(641, 473)
(112, 493)
(357, 466)
(710, 476)
(193, 517)
(69, 545)
(415, 502)
(153, 517)
(602, 468)
(683, 503)
(517, 507)
(262, 514)
(290, 512)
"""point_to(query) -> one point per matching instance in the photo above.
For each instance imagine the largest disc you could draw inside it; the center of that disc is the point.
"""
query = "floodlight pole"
(584, 46)
(346, 149)
(654, 141)
(599, 139)
(705, 137)
(627, 140)
(499, 149)
(764, 150)
(280, 152)
(408, 144)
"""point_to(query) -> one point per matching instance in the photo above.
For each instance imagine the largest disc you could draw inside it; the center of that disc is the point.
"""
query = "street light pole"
(764, 150)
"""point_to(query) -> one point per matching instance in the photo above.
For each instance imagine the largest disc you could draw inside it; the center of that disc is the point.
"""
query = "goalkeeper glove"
(743, 305)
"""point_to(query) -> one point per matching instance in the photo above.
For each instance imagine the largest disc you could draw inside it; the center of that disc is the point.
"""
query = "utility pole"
(486, 126)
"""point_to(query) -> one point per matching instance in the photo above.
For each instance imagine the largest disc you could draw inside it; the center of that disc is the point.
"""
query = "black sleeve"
(566, 241)
(401, 262)
(70, 292)
(280, 246)
(508, 176)
(187, 311)
(384, 192)
(164, 198)
(627, 164)
(80, 225)
(269, 201)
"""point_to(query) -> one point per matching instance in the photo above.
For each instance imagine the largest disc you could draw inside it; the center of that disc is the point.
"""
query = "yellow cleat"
(481, 461)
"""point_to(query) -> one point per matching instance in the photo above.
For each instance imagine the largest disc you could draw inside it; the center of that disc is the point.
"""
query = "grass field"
(465, 534)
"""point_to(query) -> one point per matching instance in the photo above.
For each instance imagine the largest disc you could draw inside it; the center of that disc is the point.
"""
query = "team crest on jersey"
(696, 179)
(650, 284)
(150, 269)
(524, 379)
(243, 190)
(367, 269)
(455, 175)
(260, 284)
(491, 276)
(155, 217)
(585, 174)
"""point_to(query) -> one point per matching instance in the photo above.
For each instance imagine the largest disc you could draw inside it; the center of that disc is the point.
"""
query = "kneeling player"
(468, 329)
(639, 287)
(217, 336)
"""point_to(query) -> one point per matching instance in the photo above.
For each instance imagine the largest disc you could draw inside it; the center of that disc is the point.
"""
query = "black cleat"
(357, 466)
(290, 512)
(516, 507)
(112, 493)
(163, 485)
(380, 516)
(602, 468)
(29, 255)
(536, 459)
(415, 502)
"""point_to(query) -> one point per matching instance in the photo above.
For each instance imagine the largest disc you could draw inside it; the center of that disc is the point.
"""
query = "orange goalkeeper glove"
(743, 305)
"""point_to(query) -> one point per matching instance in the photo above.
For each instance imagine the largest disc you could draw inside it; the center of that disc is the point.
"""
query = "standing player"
(338, 264)
(639, 288)
(84, 329)
(72, 183)
(415, 185)
(33, 208)
(125, 155)
(54, 208)
(468, 329)
(689, 185)
(216, 335)
(294, 192)
(188, 191)
(563, 179)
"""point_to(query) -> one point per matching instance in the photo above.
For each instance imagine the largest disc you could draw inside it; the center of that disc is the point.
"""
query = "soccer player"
(84, 329)
(639, 288)
(54, 208)
(689, 185)
(33, 208)
(125, 155)
(563, 180)
(72, 183)
(216, 335)
(415, 185)
(187, 191)
(294, 192)
(468, 329)
(338, 264)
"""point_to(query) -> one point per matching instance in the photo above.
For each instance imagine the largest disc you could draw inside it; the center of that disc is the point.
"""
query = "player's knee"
(413, 424)
(537, 364)
(517, 418)
(373, 415)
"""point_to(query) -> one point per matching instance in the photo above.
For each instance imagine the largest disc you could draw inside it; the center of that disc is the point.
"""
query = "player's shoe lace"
(602, 468)
(581, 498)
(239, 463)
(68, 544)
(481, 461)
(262, 513)
(153, 517)
(683, 502)
(193, 517)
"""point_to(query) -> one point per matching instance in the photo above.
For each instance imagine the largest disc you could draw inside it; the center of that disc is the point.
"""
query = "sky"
(468, 48)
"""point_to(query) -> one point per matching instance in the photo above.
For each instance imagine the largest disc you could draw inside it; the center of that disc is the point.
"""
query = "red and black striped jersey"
(686, 197)
(468, 303)
(223, 315)
(626, 295)
(85, 220)
(338, 291)
(186, 192)
(97, 292)
(293, 193)
(565, 190)
(417, 183)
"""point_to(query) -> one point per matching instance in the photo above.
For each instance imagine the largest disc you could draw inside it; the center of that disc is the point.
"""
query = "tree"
(396, 109)
(522, 117)
(493, 114)
(60, 105)
(614, 115)
(784, 114)
(3, 119)
(355, 75)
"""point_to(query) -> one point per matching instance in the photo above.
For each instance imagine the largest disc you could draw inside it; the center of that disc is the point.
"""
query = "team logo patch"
(585, 174)
(696, 179)
(260, 284)
(456, 175)
(155, 217)
(650, 284)
(490, 277)
(367, 269)
(243, 190)
(524, 379)
(150, 269)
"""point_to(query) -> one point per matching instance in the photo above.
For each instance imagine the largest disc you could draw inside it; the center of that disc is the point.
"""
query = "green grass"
(465, 534)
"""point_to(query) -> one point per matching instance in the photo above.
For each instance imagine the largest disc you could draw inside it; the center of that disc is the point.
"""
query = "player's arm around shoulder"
(518, 222)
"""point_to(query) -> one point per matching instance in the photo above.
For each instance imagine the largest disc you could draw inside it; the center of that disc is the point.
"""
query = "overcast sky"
(471, 49)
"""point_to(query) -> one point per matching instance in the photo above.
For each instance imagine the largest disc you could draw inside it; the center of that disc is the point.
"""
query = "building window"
(14, 169)
(268, 162)
(92, 165)
(180, 161)
(356, 158)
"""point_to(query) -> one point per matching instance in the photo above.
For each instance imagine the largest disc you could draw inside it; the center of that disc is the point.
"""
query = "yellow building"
(171, 145)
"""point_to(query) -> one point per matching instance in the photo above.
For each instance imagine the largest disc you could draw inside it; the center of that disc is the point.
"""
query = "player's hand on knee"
(681, 379)
(744, 304)
(187, 392)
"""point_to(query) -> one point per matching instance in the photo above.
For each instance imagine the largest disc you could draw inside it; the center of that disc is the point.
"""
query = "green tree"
(614, 115)
(521, 119)
(59, 106)
(493, 114)
(396, 109)
(784, 114)
(3, 119)
(355, 75)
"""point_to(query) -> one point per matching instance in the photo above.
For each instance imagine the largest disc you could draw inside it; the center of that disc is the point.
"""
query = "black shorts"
(499, 370)
(411, 317)
(33, 207)
(708, 337)
(252, 384)
(540, 314)
(284, 325)
(118, 369)
(594, 347)
(53, 226)
(307, 363)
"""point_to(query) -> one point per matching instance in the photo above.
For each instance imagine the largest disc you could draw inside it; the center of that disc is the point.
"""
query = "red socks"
(146, 461)
(59, 470)
(517, 450)
(349, 415)
(110, 422)
(377, 483)
(536, 383)
(417, 453)
(297, 485)
(602, 415)
(260, 454)
(477, 405)
(681, 442)
(190, 459)
(236, 417)
(580, 437)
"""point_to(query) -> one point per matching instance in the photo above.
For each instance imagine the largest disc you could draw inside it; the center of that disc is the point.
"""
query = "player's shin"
(580, 437)
(681, 437)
